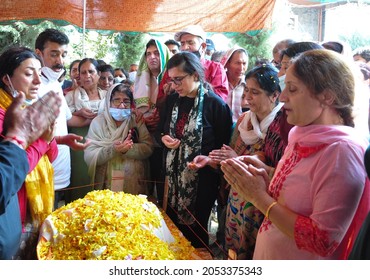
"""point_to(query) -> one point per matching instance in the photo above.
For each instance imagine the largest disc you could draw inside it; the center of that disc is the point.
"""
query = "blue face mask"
(282, 82)
(26, 102)
(120, 114)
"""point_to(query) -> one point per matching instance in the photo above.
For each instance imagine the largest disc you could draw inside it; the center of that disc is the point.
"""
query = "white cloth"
(234, 99)
(78, 99)
(62, 164)
(132, 75)
(259, 129)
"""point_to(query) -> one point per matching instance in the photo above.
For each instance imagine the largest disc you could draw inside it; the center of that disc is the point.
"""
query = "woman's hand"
(48, 135)
(124, 146)
(256, 162)
(139, 115)
(86, 113)
(167, 88)
(73, 141)
(171, 143)
(199, 162)
(29, 123)
(75, 83)
(152, 120)
(250, 182)
(222, 154)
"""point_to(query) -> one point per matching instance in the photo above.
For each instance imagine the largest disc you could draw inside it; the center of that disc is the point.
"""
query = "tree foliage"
(129, 48)
(257, 46)
(19, 33)
(96, 46)
(356, 40)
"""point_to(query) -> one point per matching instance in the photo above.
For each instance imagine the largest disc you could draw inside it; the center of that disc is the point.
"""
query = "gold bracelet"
(269, 208)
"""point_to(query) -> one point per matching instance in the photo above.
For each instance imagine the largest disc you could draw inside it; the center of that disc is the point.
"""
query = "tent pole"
(83, 28)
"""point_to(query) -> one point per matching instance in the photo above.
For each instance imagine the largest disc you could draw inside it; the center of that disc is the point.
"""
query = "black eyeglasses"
(177, 80)
(118, 102)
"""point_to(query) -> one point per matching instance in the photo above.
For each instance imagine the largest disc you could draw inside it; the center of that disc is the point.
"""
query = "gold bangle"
(269, 209)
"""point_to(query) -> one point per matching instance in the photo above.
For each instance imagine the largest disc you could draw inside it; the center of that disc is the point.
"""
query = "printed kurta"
(243, 219)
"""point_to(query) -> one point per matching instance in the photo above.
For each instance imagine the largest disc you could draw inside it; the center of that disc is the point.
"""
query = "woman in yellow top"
(20, 71)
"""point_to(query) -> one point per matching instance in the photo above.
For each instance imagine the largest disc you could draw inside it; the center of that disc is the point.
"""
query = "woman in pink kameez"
(319, 196)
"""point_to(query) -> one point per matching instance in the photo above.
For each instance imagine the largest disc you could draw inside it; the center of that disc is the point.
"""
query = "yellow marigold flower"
(112, 226)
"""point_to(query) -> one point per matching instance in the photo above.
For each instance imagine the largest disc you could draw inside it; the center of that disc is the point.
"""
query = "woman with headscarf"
(150, 92)
(117, 156)
(150, 83)
(235, 62)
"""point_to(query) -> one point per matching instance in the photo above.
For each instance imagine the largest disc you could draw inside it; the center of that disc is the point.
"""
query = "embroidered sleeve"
(310, 238)
(335, 196)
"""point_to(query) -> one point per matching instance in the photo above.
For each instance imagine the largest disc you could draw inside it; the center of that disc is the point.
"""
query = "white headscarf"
(104, 128)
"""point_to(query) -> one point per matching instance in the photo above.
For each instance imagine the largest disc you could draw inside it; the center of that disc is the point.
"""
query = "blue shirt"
(13, 170)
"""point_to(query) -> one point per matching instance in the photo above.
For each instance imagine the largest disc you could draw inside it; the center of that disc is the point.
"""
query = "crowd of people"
(279, 148)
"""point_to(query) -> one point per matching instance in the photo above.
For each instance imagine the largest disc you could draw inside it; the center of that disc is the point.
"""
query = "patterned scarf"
(182, 181)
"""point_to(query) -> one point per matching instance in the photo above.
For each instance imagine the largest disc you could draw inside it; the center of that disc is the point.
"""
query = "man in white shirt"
(51, 45)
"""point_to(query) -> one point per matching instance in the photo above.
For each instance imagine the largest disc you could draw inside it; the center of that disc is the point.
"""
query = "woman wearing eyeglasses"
(193, 121)
(117, 156)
